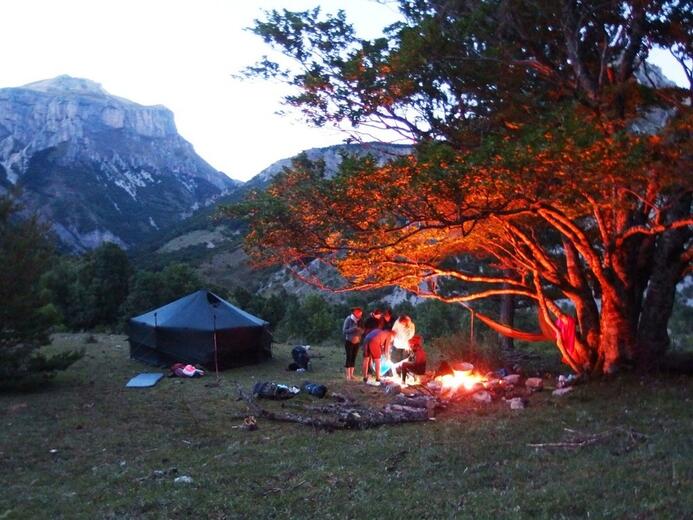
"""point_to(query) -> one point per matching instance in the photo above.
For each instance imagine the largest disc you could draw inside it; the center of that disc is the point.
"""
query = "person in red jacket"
(416, 364)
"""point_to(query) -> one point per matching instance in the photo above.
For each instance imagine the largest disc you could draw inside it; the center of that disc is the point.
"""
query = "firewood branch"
(340, 416)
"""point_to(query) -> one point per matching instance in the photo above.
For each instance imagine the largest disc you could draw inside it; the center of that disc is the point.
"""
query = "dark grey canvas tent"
(200, 329)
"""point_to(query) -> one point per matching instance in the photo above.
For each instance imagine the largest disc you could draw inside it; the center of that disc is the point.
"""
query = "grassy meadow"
(85, 446)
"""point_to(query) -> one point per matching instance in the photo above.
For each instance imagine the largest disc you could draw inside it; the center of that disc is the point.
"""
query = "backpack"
(269, 390)
(300, 356)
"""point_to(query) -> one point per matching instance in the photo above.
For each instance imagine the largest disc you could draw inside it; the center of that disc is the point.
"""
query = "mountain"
(100, 167)
(332, 157)
(215, 247)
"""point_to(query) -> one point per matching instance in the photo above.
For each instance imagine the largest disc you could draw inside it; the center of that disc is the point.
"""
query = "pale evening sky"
(181, 54)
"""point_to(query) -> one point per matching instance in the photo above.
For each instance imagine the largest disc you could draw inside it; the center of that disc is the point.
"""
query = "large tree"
(536, 153)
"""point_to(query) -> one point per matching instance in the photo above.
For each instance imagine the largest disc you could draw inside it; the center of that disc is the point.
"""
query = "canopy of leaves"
(525, 115)
(454, 69)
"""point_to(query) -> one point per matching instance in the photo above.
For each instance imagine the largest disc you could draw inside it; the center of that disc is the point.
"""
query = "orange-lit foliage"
(527, 159)
(566, 217)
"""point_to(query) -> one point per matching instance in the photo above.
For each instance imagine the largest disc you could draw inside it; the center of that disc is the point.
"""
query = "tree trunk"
(616, 338)
(653, 336)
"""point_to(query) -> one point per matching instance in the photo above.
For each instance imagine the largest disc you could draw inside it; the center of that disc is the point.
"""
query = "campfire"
(463, 376)
(419, 399)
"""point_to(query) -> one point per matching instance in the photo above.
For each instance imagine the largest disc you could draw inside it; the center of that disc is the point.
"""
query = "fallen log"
(408, 411)
(416, 402)
(351, 416)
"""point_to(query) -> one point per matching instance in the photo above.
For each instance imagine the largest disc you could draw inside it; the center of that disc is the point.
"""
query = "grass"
(87, 447)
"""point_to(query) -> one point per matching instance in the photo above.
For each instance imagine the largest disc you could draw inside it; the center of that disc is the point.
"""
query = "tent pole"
(471, 327)
(216, 354)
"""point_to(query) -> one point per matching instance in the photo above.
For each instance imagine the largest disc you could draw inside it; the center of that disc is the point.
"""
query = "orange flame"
(460, 378)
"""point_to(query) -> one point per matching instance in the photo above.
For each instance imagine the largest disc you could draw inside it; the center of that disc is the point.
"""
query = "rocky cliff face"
(97, 166)
(217, 250)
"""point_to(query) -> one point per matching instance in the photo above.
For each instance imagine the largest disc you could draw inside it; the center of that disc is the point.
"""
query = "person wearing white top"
(404, 330)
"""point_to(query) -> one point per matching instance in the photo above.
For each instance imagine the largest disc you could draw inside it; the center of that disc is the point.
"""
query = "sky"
(183, 54)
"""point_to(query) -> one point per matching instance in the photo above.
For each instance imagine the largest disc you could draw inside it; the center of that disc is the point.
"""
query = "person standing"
(388, 320)
(352, 332)
(404, 330)
(386, 323)
(374, 321)
(374, 344)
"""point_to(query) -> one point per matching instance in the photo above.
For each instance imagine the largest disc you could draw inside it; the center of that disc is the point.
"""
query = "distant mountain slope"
(215, 247)
(99, 167)
(332, 156)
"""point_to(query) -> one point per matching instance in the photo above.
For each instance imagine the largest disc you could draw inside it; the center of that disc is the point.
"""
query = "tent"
(200, 329)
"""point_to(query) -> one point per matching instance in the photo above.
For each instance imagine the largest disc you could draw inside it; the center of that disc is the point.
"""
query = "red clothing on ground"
(566, 326)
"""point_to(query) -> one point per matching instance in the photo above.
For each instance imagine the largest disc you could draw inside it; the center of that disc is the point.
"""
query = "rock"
(160, 473)
(482, 397)
(183, 479)
(534, 383)
(562, 391)
(512, 379)
(568, 380)
(517, 403)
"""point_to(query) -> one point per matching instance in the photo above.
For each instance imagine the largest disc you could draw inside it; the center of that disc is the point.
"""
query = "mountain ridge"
(99, 167)
(215, 248)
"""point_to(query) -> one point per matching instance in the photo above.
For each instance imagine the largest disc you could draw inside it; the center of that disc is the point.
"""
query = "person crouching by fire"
(352, 331)
(375, 343)
(416, 364)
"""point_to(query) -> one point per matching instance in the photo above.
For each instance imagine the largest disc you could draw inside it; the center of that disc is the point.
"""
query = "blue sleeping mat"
(144, 380)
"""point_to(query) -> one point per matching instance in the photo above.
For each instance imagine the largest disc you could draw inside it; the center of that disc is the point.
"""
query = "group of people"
(380, 336)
